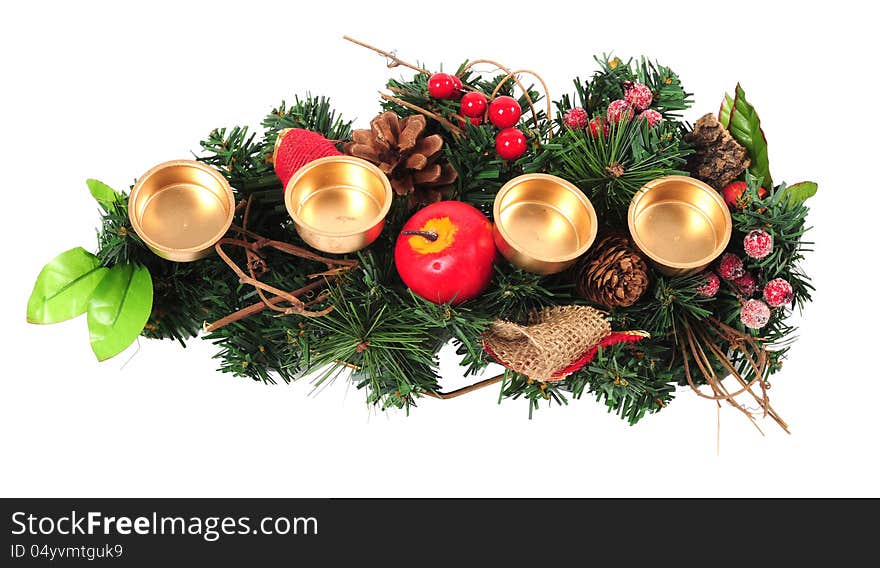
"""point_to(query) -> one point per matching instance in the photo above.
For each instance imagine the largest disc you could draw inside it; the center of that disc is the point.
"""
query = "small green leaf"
(724, 113)
(745, 126)
(64, 286)
(119, 309)
(800, 192)
(103, 193)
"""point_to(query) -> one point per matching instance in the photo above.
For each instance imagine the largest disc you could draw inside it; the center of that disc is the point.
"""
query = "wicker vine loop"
(281, 301)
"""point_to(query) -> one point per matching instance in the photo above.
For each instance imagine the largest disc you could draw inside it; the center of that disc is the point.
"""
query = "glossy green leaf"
(744, 125)
(724, 113)
(119, 309)
(64, 286)
(103, 193)
(800, 192)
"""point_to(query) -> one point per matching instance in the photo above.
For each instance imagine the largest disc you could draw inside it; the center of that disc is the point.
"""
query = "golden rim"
(208, 243)
(291, 206)
(680, 265)
(585, 201)
(278, 140)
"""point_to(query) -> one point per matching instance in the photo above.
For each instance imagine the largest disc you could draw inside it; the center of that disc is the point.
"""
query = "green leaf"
(119, 309)
(745, 126)
(103, 193)
(800, 192)
(724, 113)
(64, 286)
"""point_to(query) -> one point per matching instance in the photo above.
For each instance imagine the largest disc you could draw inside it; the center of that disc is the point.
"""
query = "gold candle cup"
(543, 223)
(338, 203)
(680, 223)
(181, 208)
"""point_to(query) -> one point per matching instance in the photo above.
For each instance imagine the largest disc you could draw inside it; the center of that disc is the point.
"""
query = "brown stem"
(456, 131)
(393, 60)
(430, 235)
(465, 390)
(258, 307)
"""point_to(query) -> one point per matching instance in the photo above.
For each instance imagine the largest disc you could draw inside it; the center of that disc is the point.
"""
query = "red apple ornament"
(445, 252)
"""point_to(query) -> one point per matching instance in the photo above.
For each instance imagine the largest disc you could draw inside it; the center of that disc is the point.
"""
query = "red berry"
(746, 284)
(473, 105)
(758, 244)
(504, 112)
(576, 118)
(457, 87)
(754, 314)
(638, 95)
(778, 292)
(733, 195)
(599, 125)
(652, 116)
(441, 86)
(710, 285)
(619, 111)
(730, 267)
(510, 144)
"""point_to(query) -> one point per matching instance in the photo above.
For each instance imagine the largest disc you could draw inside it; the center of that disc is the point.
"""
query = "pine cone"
(612, 274)
(718, 157)
(411, 160)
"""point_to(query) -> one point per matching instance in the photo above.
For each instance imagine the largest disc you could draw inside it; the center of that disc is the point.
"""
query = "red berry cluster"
(637, 99)
(754, 312)
(504, 112)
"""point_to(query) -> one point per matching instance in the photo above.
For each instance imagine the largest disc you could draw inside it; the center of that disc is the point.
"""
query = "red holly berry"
(504, 112)
(457, 87)
(652, 117)
(638, 95)
(473, 105)
(599, 125)
(758, 244)
(441, 86)
(730, 267)
(510, 143)
(754, 314)
(296, 147)
(576, 118)
(778, 292)
(746, 284)
(710, 286)
(733, 195)
(619, 111)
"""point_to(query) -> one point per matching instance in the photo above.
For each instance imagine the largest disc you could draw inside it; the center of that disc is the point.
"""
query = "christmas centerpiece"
(594, 245)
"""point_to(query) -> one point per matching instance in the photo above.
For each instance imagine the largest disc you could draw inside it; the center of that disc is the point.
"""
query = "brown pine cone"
(613, 273)
(718, 158)
(411, 160)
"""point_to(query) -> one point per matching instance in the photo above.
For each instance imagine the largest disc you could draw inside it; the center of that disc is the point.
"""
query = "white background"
(108, 90)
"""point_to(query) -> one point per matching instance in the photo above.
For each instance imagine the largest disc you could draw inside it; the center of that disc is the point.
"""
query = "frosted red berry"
(730, 267)
(746, 284)
(441, 86)
(736, 197)
(599, 126)
(504, 112)
(652, 117)
(754, 314)
(576, 118)
(473, 105)
(638, 95)
(778, 292)
(619, 111)
(510, 143)
(758, 244)
(709, 287)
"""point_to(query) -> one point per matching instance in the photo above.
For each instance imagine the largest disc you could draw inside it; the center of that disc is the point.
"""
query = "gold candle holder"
(680, 223)
(338, 203)
(543, 223)
(181, 208)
